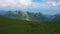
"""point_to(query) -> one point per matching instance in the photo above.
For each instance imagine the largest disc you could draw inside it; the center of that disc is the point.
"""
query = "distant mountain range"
(2, 12)
(29, 15)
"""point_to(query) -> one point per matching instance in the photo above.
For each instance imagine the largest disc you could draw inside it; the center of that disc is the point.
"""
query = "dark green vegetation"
(15, 26)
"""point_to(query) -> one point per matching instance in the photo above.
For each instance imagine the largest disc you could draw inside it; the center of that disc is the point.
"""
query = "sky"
(44, 6)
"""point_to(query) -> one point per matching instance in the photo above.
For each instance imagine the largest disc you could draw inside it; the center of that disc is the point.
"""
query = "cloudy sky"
(45, 6)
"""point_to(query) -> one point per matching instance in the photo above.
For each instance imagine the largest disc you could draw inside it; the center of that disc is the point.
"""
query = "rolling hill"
(17, 26)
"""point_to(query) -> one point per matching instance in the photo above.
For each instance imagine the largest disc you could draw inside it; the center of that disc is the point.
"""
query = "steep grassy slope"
(15, 26)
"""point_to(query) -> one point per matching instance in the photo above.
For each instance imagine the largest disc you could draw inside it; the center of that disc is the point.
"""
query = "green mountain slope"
(16, 26)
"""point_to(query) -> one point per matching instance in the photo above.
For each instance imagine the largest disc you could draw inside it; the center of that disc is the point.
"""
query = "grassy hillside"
(15, 26)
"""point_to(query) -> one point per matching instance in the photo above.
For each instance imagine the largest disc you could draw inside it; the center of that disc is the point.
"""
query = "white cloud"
(15, 2)
(39, 5)
(53, 3)
(25, 2)
(29, 3)
(7, 3)
(21, 3)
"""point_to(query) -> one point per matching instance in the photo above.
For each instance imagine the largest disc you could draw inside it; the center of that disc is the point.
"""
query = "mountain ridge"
(30, 16)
